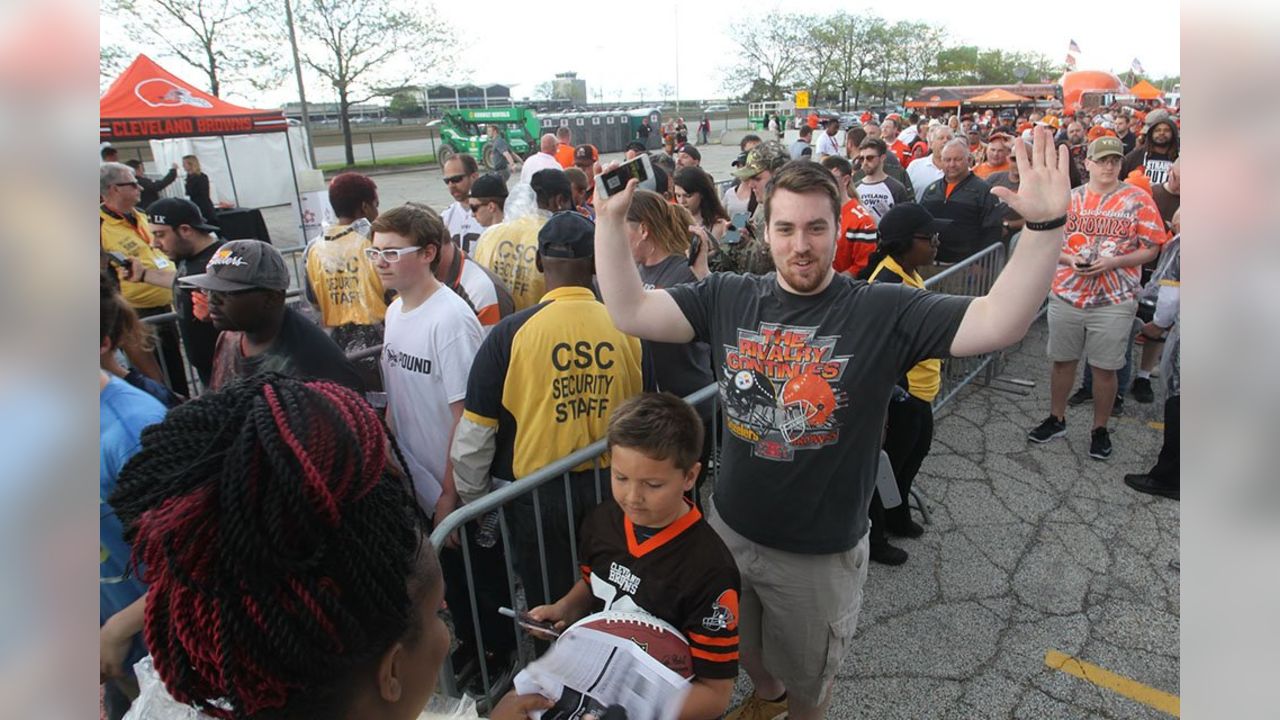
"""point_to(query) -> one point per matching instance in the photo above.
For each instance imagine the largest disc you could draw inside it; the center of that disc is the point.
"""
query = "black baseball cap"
(568, 235)
(637, 146)
(551, 182)
(178, 211)
(489, 185)
(909, 219)
(691, 151)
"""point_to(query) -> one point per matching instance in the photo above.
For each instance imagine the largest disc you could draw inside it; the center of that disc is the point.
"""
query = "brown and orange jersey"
(682, 574)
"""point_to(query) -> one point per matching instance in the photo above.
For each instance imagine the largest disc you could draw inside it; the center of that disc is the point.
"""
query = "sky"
(621, 56)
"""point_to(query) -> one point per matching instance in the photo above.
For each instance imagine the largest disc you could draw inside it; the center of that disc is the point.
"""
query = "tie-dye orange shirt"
(1121, 222)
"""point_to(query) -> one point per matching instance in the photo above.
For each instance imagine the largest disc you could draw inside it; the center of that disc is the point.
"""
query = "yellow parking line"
(1149, 696)
(1156, 425)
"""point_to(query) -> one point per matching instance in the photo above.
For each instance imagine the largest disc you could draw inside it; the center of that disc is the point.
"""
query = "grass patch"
(390, 162)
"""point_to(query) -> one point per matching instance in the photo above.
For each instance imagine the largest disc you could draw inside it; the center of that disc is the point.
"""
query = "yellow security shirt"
(343, 283)
(924, 379)
(131, 235)
(547, 379)
(509, 250)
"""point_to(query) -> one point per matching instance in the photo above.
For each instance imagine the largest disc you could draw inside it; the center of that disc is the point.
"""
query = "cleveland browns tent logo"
(158, 92)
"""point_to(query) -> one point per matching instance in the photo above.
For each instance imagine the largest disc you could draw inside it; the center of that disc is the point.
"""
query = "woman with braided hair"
(287, 563)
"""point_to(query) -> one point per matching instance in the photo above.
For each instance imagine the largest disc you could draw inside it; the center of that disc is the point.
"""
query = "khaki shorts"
(1100, 334)
(797, 612)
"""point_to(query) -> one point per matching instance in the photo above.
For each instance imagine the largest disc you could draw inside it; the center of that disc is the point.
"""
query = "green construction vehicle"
(465, 131)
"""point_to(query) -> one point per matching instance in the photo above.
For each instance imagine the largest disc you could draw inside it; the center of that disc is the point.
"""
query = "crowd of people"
(264, 530)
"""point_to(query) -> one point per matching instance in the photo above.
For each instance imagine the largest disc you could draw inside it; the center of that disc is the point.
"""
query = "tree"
(856, 47)
(218, 37)
(543, 90)
(665, 91)
(404, 104)
(112, 60)
(355, 42)
(770, 50)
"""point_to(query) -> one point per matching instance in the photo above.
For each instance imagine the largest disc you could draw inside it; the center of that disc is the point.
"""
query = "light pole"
(302, 93)
(677, 26)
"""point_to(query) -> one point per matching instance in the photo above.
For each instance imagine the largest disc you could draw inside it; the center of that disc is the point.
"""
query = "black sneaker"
(1051, 428)
(1141, 390)
(887, 554)
(1144, 483)
(1081, 396)
(1117, 408)
(907, 528)
(1100, 444)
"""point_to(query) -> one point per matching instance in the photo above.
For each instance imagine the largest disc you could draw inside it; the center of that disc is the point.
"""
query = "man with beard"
(822, 352)
(889, 130)
(460, 172)
(1157, 153)
(1127, 137)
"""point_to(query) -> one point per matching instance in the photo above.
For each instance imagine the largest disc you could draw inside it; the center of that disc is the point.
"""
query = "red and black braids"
(277, 545)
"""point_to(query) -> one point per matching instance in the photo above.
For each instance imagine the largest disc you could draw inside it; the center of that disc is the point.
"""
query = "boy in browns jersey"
(651, 551)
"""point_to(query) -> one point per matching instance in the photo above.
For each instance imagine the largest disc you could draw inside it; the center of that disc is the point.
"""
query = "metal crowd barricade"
(972, 277)
(500, 501)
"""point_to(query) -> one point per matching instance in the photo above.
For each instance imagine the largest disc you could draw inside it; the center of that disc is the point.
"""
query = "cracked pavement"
(1031, 548)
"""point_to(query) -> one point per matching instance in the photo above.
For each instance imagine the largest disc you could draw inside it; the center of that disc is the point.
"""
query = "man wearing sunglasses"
(877, 190)
(245, 282)
(123, 230)
(460, 171)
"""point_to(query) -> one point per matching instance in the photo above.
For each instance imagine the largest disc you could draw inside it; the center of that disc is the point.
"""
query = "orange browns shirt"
(1116, 224)
(986, 169)
(857, 239)
(902, 150)
(564, 155)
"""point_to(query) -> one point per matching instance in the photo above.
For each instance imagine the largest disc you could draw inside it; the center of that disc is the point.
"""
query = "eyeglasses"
(134, 184)
(454, 179)
(931, 239)
(390, 255)
(868, 158)
(475, 207)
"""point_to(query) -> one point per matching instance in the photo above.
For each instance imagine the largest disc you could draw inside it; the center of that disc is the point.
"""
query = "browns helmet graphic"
(807, 402)
(158, 92)
(724, 613)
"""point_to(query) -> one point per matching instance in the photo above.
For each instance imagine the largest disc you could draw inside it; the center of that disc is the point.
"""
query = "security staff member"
(123, 229)
(542, 386)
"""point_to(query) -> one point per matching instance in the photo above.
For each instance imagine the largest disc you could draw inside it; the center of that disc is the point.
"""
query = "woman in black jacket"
(197, 184)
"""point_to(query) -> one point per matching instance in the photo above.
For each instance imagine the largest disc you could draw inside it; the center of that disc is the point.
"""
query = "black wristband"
(1047, 224)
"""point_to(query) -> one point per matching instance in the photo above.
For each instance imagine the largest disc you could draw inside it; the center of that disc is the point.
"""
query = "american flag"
(1073, 48)
(1071, 60)
(1136, 67)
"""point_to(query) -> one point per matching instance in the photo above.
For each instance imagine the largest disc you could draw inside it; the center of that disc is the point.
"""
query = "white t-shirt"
(536, 162)
(923, 173)
(733, 204)
(463, 227)
(877, 198)
(827, 145)
(426, 358)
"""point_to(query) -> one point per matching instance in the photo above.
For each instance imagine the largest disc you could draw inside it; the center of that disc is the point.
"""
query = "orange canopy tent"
(998, 96)
(148, 102)
(1146, 91)
(940, 98)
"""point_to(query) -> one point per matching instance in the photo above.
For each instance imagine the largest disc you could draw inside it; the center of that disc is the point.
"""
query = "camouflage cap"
(765, 156)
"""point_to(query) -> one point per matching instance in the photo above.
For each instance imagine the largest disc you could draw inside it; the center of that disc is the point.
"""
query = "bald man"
(545, 159)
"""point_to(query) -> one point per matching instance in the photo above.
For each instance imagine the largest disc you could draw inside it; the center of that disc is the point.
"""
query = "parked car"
(715, 109)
